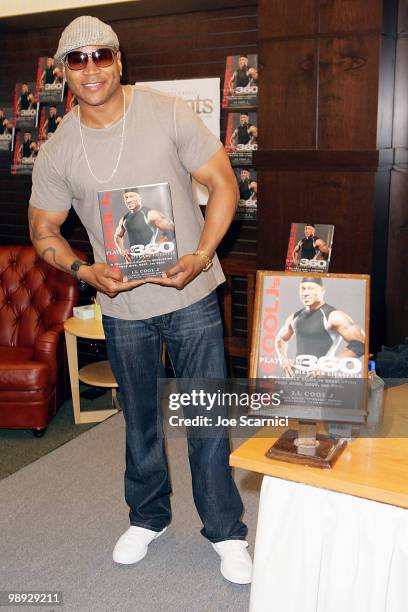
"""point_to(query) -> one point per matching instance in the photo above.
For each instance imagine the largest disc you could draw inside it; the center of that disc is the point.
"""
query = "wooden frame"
(320, 384)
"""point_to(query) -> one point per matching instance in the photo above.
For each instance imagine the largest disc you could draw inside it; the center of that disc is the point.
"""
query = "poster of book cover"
(241, 81)
(26, 105)
(6, 128)
(312, 337)
(241, 138)
(138, 229)
(203, 95)
(26, 148)
(50, 118)
(50, 81)
(248, 190)
(309, 247)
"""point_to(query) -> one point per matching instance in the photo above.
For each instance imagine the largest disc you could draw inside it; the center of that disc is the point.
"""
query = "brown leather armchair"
(35, 299)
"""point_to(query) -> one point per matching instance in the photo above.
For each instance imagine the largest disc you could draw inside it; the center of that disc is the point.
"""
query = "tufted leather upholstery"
(35, 299)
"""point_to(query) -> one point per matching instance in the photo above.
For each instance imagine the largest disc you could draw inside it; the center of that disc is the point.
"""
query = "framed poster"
(311, 334)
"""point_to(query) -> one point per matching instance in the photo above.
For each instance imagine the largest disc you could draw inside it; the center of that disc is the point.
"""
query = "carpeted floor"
(61, 515)
(18, 447)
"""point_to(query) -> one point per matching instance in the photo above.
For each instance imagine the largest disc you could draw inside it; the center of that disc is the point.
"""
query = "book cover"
(248, 189)
(50, 118)
(311, 335)
(138, 229)
(241, 81)
(50, 81)
(241, 137)
(26, 148)
(26, 107)
(6, 128)
(309, 248)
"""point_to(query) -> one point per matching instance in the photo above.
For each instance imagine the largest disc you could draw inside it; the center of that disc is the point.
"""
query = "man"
(23, 102)
(243, 185)
(241, 135)
(318, 328)
(240, 77)
(25, 148)
(311, 246)
(51, 123)
(115, 137)
(47, 76)
(142, 225)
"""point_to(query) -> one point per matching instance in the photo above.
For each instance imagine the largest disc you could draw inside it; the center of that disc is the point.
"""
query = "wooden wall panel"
(288, 18)
(400, 131)
(348, 92)
(319, 197)
(349, 15)
(397, 278)
(402, 17)
(287, 106)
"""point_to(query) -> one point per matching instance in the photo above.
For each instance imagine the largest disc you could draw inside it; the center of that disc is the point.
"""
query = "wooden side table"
(98, 374)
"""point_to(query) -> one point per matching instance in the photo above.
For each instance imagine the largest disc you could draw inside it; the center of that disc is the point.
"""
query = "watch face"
(76, 265)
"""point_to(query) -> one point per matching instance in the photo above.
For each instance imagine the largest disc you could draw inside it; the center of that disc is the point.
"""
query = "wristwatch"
(76, 265)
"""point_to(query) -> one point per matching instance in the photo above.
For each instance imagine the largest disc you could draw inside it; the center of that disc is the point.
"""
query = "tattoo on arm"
(52, 253)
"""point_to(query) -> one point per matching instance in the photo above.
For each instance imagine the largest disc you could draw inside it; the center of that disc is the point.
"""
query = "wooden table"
(324, 550)
(98, 374)
(373, 468)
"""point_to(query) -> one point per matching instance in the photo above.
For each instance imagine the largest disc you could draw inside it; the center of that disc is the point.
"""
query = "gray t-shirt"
(164, 142)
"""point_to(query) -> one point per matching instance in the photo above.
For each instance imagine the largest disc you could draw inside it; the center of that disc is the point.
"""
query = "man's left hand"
(185, 270)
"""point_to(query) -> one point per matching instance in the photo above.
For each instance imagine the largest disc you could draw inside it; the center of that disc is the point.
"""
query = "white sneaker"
(236, 564)
(132, 545)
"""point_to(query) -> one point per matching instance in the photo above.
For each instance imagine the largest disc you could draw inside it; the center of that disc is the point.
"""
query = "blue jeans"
(194, 341)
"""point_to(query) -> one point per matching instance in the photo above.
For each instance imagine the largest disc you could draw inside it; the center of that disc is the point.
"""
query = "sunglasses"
(78, 60)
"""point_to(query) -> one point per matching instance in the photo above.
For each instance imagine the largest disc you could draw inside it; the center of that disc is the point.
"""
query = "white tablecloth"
(321, 551)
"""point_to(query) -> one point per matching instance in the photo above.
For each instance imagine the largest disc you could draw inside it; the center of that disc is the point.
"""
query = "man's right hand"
(106, 280)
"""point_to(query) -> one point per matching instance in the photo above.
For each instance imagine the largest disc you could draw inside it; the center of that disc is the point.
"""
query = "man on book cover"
(311, 246)
(318, 330)
(241, 76)
(243, 185)
(241, 81)
(27, 146)
(141, 225)
(51, 123)
(241, 135)
(47, 76)
(23, 101)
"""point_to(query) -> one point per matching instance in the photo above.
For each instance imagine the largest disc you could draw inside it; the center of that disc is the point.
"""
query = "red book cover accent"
(228, 75)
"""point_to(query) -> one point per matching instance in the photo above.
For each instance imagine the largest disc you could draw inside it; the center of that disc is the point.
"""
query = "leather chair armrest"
(45, 350)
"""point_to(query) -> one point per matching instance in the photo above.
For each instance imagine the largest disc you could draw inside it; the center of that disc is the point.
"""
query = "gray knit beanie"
(84, 31)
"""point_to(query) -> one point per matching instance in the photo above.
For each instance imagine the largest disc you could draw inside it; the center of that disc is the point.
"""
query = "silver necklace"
(122, 138)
